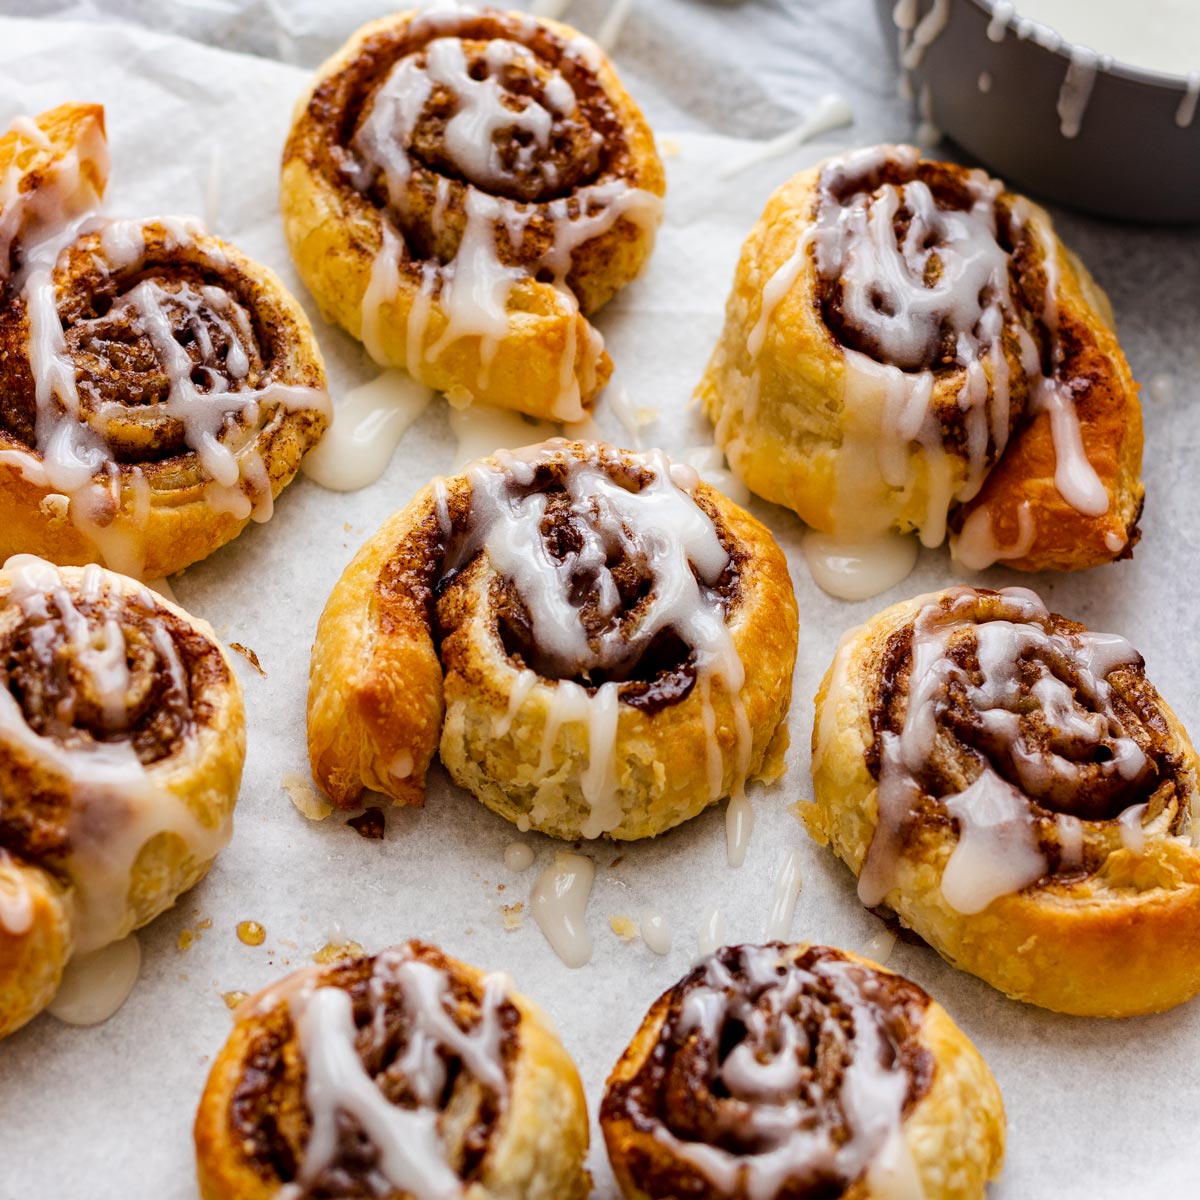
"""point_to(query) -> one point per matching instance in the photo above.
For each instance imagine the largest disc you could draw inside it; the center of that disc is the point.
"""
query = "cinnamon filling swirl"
(101, 689)
(777, 1074)
(611, 573)
(376, 1074)
(1042, 741)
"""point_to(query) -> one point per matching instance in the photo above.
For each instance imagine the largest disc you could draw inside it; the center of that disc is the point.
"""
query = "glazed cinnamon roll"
(461, 189)
(1015, 789)
(796, 1072)
(909, 346)
(122, 738)
(403, 1074)
(157, 390)
(600, 642)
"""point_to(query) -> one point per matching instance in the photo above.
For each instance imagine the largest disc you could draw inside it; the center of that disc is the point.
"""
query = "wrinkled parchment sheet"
(1097, 1110)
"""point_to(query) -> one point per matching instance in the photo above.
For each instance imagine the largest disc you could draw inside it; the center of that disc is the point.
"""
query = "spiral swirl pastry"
(1015, 789)
(800, 1073)
(461, 188)
(565, 620)
(122, 738)
(406, 1074)
(909, 346)
(157, 391)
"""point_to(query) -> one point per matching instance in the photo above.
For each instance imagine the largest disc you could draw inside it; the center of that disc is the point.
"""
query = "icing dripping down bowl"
(1049, 117)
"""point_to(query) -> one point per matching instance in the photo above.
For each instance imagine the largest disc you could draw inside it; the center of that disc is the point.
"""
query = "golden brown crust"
(409, 656)
(678, 1122)
(1112, 927)
(53, 166)
(798, 421)
(122, 738)
(345, 227)
(529, 1139)
(153, 505)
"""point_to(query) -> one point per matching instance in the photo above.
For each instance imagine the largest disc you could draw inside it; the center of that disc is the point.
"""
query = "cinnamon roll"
(1015, 789)
(909, 346)
(601, 643)
(122, 738)
(461, 189)
(403, 1074)
(796, 1072)
(157, 388)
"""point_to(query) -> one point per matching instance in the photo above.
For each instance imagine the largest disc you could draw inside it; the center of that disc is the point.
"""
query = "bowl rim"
(1104, 62)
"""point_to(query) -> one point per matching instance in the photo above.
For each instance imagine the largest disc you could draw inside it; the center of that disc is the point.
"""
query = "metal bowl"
(1136, 152)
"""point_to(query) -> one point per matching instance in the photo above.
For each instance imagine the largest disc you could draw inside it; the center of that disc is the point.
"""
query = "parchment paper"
(1097, 1110)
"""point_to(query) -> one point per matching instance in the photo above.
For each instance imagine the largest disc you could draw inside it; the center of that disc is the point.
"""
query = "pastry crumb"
(624, 927)
(669, 147)
(233, 999)
(514, 915)
(333, 952)
(308, 801)
(368, 824)
(185, 939)
(251, 933)
(54, 507)
(205, 924)
(249, 656)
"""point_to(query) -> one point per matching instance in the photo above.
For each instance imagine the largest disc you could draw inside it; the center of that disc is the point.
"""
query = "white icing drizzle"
(788, 882)
(712, 931)
(95, 985)
(766, 1074)
(1185, 114)
(1076, 90)
(656, 930)
(121, 805)
(997, 852)
(559, 905)
(633, 417)
(985, 81)
(367, 427)
(518, 856)
(411, 1156)
(975, 544)
(474, 287)
(859, 570)
(16, 901)
(739, 814)
(1133, 836)
(918, 32)
(832, 111)
(660, 528)
(893, 432)
(878, 948)
(709, 463)
(75, 461)
(1002, 14)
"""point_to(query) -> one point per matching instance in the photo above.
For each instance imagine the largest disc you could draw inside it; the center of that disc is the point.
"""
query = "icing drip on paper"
(95, 985)
(656, 930)
(904, 294)
(768, 1075)
(1020, 663)
(474, 287)
(123, 805)
(642, 514)
(559, 905)
(367, 427)
(859, 570)
(788, 882)
(832, 111)
(712, 932)
(411, 1156)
